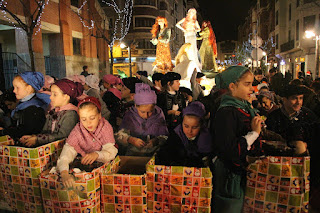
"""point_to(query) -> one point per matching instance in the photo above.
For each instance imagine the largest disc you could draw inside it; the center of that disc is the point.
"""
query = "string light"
(123, 19)
(41, 7)
(91, 26)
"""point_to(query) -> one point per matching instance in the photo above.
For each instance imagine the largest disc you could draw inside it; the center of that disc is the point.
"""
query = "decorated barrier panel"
(278, 184)
(125, 191)
(84, 198)
(20, 170)
(178, 189)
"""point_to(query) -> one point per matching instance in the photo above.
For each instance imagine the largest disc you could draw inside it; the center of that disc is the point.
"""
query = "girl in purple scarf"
(143, 128)
(190, 143)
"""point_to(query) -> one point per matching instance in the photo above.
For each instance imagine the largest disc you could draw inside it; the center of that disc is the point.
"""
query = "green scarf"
(228, 100)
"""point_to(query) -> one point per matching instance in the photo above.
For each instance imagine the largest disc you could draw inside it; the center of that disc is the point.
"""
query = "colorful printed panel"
(84, 198)
(123, 193)
(278, 184)
(20, 170)
(178, 189)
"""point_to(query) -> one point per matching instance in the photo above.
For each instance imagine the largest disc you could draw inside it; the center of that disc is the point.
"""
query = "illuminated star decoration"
(123, 19)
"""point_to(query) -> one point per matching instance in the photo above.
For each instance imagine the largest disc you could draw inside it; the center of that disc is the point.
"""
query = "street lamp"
(122, 46)
(311, 34)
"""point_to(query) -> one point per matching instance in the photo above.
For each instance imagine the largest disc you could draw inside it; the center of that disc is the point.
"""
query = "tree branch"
(19, 21)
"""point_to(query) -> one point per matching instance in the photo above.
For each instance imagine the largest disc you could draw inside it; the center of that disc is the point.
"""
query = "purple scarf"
(204, 140)
(141, 128)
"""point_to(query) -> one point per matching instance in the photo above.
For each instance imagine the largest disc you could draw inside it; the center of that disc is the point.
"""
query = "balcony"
(287, 46)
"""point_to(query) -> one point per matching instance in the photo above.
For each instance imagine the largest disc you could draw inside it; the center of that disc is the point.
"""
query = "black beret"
(292, 89)
(130, 83)
(170, 76)
(157, 76)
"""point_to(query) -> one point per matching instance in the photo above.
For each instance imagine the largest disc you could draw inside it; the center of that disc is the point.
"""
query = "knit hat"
(144, 95)
(230, 75)
(266, 94)
(111, 79)
(195, 108)
(73, 89)
(170, 76)
(92, 81)
(34, 79)
(91, 99)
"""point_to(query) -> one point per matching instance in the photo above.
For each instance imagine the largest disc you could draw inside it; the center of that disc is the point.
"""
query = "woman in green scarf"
(236, 128)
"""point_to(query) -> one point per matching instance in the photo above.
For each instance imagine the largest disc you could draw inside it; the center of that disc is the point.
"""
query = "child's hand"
(89, 158)
(67, 179)
(28, 140)
(137, 142)
(256, 124)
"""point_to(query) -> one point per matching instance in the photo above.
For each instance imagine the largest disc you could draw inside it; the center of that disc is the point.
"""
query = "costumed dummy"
(185, 65)
(190, 26)
(208, 49)
(161, 36)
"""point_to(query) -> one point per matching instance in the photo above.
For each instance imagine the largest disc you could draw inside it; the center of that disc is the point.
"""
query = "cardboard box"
(178, 189)
(20, 170)
(84, 198)
(125, 191)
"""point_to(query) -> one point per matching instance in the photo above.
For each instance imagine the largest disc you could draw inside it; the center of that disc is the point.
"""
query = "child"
(61, 120)
(29, 115)
(236, 128)
(190, 143)
(143, 128)
(92, 138)
(92, 89)
(171, 101)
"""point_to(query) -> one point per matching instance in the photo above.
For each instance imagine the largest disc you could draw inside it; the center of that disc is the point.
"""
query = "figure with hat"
(208, 49)
(29, 115)
(266, 100)
(62, 118)
(190, 143)
(185, 64)
(171, 101)
(161, 34)
(143, 128)
(91, 88)
(293, 121)
(190, 26)
(197, 89)
(128, 92)
(236, 128)
(92, 138)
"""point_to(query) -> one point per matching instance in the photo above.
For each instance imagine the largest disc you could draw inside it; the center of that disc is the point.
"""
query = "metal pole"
(317, 54)
(130, 69)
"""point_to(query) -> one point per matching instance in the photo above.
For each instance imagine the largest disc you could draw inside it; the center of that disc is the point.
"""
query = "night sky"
(225, 16)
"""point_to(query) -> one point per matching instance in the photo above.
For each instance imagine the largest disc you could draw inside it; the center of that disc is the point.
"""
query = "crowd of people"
(135, 116)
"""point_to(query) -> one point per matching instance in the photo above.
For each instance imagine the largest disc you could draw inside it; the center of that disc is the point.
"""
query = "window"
(298, 3)
(289, 12)
(277, 41)
(145, 44)
(309, 22)
(289, 35)
(75, 3)
(144, 22)
(277, 17)
(175, 6)
(163, 5)
(76, 46)
(145, 2)
(297, 30)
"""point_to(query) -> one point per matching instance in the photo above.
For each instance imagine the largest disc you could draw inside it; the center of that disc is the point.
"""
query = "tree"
(99, 24)
(32, 10)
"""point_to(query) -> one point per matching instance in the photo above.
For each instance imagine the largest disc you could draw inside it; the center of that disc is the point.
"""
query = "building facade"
(62, 46)
(292, 19)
